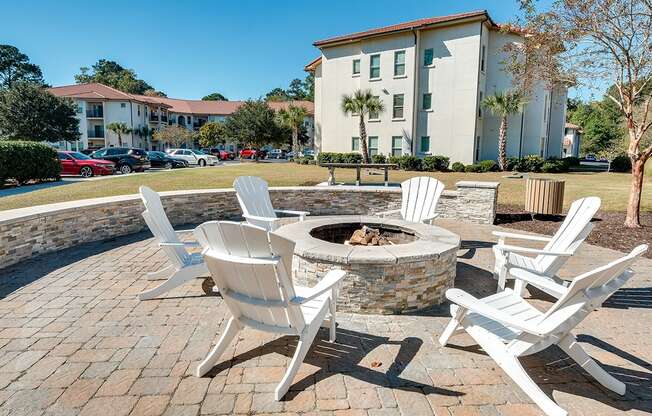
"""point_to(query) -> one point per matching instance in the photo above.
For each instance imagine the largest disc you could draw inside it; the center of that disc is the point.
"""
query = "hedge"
(458, 167)
(621, 163)
(24, 161)
(435, 163)
(378, 159)
(331, 157)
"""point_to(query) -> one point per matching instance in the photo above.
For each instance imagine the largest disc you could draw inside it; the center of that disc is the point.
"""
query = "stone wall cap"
(477, 184)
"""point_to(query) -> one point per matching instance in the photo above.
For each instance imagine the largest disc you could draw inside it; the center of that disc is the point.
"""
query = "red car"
(252, 154)
(77, 163)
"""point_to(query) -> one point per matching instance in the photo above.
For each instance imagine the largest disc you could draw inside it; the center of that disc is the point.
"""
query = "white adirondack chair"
(420, 196)
(252, 269)
(570, 235)
(184, 265)
(507, 327)
(257, 209)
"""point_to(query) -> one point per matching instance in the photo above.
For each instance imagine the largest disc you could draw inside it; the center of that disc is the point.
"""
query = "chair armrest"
(301, 214)
(516, 249)
(542, 282)
(257, 218)
(504, 234)
(428, 220)
(329, 281)
(390, 212)
(171, 245)
(476, 305)
(272, 261)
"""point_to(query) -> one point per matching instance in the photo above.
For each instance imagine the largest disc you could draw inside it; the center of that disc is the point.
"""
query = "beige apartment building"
(431, 74)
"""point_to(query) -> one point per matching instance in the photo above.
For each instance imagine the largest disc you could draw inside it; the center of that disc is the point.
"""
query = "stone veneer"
(390, 279)
(28, 232)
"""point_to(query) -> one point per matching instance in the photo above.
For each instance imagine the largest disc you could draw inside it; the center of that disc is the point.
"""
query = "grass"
(613, 188)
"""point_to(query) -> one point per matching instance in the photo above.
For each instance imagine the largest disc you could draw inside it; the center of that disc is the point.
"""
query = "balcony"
(95, 113)
(155, 118)
(96, 134)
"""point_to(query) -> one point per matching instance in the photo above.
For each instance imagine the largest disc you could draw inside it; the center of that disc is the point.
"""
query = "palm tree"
(119, 129)
(504, 104)
(293, 117)
(360, 103)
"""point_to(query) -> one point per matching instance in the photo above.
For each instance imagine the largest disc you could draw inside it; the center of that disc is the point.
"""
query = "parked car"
(590, 157)
(194, 157)
(309, 152)
(161, 160)
(219, 153)
(252, 154)
(126, 159)
(77, 163)
(277, 154)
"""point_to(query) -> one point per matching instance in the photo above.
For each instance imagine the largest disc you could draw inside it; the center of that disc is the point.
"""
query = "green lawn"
(613, 188)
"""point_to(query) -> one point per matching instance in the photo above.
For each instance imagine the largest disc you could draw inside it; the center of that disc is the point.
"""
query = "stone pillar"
(473, 202)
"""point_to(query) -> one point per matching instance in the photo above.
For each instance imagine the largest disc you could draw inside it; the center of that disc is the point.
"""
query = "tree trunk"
(502, 144)
(295, 140)
(363, 141)
(119, 140)
(632, 220)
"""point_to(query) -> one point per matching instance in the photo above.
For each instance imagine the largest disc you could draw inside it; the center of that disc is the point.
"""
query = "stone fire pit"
(411, 274)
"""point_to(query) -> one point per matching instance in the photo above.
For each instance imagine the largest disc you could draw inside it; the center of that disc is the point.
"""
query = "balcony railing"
(154, 117)
(96, 134)
(95, 113)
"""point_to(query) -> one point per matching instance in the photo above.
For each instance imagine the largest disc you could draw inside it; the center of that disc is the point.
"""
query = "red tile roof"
(312, 65)
(414, 24)
(96, 91)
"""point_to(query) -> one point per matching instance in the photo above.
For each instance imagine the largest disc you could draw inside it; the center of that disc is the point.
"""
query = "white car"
(194, 157)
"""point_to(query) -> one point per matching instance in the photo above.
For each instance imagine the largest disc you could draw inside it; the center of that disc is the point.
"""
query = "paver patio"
(75, 340)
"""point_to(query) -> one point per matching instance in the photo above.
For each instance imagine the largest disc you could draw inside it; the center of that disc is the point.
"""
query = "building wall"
(334, 128)
(453, 82)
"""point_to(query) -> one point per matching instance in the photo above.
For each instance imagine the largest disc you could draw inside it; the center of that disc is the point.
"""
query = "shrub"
(409, 162)
(435, 163)
(555, 166)
(332, 157)
(458, 167)
(531, 163)
(378, 159)
(621, 163)
(512, 163)
(24, 161)
(394, 159)
(305, 160)
(473, 168)
(572, 160)
(488, 166)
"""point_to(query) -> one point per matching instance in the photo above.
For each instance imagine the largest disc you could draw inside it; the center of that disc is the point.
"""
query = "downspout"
(415, 93)
(477, 93)
(520, 143)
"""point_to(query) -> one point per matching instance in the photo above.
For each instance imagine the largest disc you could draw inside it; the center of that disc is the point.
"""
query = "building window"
(482, 57)
(373, 115)
(480, 105)
(123, 105)
(355, 144)
(373, 146)
(477, 148)
(427, 101)
(356, 67)
(397, 145)
(428, 57)
(80, 109)
(425, 144)
(399, 63)
(374, 66)
(139, 110)
(397, 106)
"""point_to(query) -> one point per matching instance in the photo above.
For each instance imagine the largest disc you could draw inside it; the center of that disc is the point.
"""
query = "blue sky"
(188, 49)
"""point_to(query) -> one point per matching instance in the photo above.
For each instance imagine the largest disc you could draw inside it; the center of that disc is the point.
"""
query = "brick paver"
(74, 339)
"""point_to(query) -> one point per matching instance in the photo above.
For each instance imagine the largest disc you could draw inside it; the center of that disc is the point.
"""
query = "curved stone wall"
(28, 232)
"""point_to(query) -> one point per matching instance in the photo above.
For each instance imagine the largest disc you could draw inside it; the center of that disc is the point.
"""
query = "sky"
(242, 49)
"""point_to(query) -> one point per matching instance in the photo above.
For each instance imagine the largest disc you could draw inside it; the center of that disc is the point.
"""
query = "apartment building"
(431, 74)
(99, 105)
(572, 137)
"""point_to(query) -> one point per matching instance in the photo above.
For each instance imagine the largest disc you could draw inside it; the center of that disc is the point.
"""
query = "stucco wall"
(28, 232)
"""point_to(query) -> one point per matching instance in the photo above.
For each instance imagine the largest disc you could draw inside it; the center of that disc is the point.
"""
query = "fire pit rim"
(432, 242)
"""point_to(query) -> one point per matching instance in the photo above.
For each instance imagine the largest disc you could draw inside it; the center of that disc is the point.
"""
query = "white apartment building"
(572, 138)
(431, 74)
(99, 105)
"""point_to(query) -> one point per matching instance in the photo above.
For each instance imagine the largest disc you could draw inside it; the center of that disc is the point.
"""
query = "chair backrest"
(420, 198)
(252, 269)
(570, 235)
(160, 226)
(253, 196)
(585, 294)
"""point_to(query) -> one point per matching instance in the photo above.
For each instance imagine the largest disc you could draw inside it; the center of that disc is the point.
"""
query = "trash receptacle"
(544, 196)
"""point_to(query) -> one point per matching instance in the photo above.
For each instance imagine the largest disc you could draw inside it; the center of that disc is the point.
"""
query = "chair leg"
(512, 366)
(162, 274)
(177, 279)
(571, 347)
(333, 324)
(519, 287)
(232, 328)
(452, 326)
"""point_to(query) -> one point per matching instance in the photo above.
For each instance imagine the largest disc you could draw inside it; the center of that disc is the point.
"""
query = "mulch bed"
(608, 230)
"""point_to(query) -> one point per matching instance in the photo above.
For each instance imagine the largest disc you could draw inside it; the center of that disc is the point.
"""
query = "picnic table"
(358, 167)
